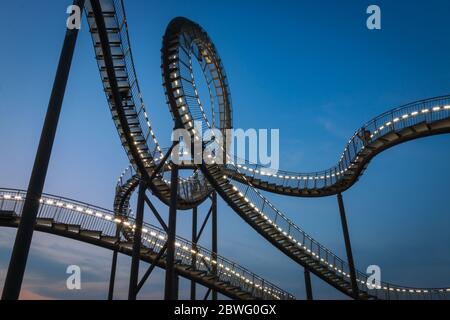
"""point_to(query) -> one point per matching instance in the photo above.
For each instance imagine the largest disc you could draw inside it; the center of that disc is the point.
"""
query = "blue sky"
(310, 68)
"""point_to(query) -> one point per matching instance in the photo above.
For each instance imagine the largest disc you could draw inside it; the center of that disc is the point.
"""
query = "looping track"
(184, 43)
(185, 39)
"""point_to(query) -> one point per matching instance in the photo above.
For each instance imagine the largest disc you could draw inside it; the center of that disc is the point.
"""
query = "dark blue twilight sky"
(310, 68)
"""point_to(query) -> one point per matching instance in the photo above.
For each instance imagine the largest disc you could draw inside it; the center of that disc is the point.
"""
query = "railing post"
(214, 237)
(136, 255)
(194, 243)
(348, 247)
(19, 256)
(169, 289)
(308, 287)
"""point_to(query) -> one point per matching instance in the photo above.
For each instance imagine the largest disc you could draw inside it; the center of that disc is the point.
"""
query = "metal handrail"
(391, 121)
(90, 217)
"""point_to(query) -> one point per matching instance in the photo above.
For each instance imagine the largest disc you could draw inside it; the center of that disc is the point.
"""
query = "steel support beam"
(151, 268)
(176, 284)
(348, 247)
(163, 161)
(169, 290)
(308, 287)
(214, 237)
(203, 225)
(136, 255)
(156, 214)
(194, 246)
(207, 294)
(19, 256)
(112, 277)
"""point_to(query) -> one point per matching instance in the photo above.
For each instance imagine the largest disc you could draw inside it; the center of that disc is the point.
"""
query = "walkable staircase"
(97, 226)
(413, 121)
(118, 75)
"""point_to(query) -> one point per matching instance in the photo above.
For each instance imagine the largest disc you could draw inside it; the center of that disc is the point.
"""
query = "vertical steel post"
(194, 245)
(136, 255)
(348, 247)
(176, 286)
(308, 287)
(214, 237)
(169, 293)
(17, 264)
(112, 277)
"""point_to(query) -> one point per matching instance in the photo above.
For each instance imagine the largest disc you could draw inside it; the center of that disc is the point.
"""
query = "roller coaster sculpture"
(237, 184)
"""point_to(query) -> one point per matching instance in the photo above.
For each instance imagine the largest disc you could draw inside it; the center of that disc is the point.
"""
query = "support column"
(176, 286)
(17, 264)
(194, 244)
(112, 277)
(214, 237)
(169, 293)
(308, 287)
(348, 247)
(136, 255)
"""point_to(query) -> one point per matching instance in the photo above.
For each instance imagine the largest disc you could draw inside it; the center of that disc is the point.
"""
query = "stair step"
(91, 233)
(44, 222)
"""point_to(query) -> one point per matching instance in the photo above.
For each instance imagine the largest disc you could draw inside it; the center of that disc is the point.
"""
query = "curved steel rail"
(412, 121)
(184, 39)
(97, 226)
(109, 30)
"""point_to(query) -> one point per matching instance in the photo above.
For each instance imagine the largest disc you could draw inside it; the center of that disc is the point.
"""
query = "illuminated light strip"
(109, 217)
(405, 116)
(316, 178)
